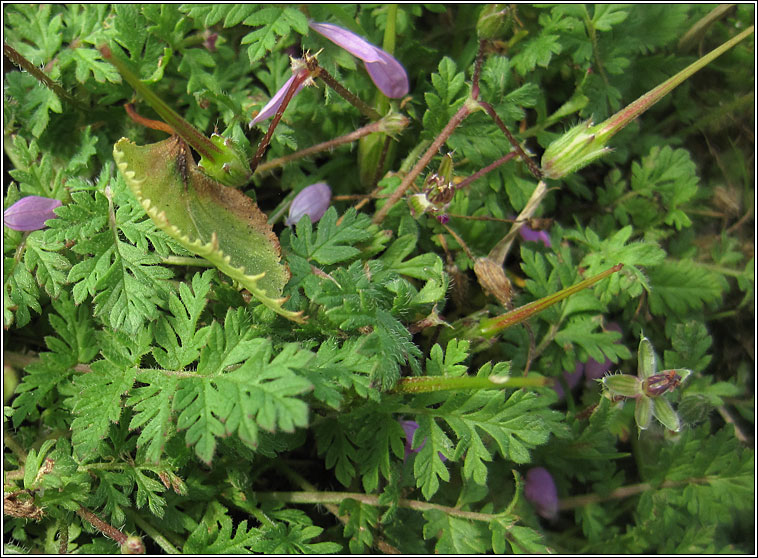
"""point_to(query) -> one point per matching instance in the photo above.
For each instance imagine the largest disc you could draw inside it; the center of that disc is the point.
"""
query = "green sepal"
(643, 410)
(229, 166)
(664, 412)
(220, 224)
(623, 385)
(645, 359)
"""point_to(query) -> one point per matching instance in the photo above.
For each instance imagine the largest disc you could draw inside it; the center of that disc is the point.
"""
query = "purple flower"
(410, 426)
(385, 71)
(30, 213)
(312, 200)
(534, 236)
(273, 105)
(540, 490)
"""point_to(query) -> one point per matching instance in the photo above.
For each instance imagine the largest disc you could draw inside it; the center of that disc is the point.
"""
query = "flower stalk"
(492, 326)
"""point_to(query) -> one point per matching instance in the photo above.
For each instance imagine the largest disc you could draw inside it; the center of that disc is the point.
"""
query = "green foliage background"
(152, 393)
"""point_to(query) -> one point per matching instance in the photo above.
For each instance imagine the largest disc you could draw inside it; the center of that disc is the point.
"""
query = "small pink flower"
(534, 236)
(540, 490)
(385, 71)
(312, 200)
(30, 213)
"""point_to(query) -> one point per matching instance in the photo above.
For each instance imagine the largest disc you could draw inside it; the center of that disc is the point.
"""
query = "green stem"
(426, 384)
(153, 533)
(492, 326)
(617, 122)
(324, 498)
(14, 446)
(187, 131)
(572, 502)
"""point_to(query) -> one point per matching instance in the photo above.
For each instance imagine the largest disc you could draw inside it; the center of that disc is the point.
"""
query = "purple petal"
(534, 236)
(540, 490)
(572, 378)
(389, 76)
(30, 213)
(385, 71)
(271, 107)
(354, 44)
(312, 200)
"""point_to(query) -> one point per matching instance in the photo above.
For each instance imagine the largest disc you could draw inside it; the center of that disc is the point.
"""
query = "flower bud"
(30, 213)
(540, 490)
(494, 21)
(133, 545)
(575, 149)
(230, 166)
(312, 200)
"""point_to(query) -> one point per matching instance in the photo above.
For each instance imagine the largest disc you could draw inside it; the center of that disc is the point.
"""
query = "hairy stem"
(105, 528)
(447, 131)
(153, 533)
(324, 146)
(354, 100)
(425, 384)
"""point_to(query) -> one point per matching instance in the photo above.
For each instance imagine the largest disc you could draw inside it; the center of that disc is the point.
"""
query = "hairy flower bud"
(540, 490)
(312, 200)
(133, 545)
(494, 21)
(30, 213)
(578, 147)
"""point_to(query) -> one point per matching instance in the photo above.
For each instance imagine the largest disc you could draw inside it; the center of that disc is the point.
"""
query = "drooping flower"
(540, 490)
(30, 213)
(312, 200)
(385, 71)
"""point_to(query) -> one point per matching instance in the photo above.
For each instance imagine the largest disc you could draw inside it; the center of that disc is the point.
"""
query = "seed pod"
(493, 280)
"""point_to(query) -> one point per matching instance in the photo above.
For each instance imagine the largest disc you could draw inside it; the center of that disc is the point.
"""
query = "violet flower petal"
(540, 490)
(385, 71)
(271, 107)
(389, 76)
(312, 200)
(30, 213)
(354, 44)
(534, 236)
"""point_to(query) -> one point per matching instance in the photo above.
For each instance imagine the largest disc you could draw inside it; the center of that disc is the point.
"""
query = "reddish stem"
(533, 168)
(299, 79)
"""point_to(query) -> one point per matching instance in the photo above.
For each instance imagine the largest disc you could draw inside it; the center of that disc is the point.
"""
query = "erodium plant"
(374, 278)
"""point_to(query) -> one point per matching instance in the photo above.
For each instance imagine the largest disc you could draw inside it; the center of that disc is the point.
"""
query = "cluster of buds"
(438, 192)
(647, 389)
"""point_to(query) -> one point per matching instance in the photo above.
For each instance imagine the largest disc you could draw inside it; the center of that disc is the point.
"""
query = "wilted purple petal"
(389, 76)
(271, 107)
(385, 71)
(572, 378)
(30, 213)
(312, 200)
(534, 236)
(410, 426)
(354, 44)
(540, 490)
